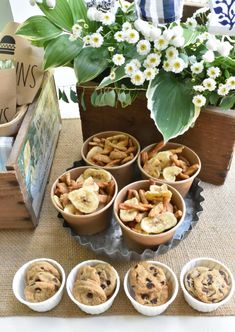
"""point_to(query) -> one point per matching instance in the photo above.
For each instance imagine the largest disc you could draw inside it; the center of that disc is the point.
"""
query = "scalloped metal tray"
(110, 242)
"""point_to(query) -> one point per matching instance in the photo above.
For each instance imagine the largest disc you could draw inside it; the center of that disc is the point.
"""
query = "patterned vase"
(159, 11)
(223, 17)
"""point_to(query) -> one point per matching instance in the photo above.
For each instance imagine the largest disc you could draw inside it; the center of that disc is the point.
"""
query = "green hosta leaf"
(38, 28)
(73, 96)
(119, 74)
(90, 63)
(79, 10)
(60, 51)
(61, 15)
(190, 36)
(170, 104)
(227, 102)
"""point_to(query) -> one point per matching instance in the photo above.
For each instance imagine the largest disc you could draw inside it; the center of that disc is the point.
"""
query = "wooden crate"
(22, 186)
(212, 137)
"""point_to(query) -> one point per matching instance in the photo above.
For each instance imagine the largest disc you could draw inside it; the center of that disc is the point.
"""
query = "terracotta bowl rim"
(150, 236)
(82, 216)
(162, 180)
(114, 167)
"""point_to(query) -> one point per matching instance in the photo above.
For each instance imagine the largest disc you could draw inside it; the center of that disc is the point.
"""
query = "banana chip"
(160, 224)
(84, 200)
(129, 215)
(57, 202)
(170, 173)
(164, 158)
(93, 151)
(90, 184)
(99, 175)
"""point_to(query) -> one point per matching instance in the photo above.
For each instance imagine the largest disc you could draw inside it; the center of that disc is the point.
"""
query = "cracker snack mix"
(111, 151)
(167, 165)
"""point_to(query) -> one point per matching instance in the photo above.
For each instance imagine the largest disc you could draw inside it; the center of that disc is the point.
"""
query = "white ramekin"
(153, 310)
(193, 302)
(96, 309)
(18, 286)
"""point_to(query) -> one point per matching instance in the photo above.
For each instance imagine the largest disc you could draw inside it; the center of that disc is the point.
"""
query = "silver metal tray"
(110, 242)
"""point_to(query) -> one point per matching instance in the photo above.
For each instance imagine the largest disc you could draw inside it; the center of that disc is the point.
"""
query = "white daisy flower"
(143, 27)
(204, 36)
(197, 67)
(132, 36)
(171, 53)
(199, 88)
(136, 63)
(126, 26)
(87, 39)
(143, 47)
(223, 90)
(160, 43)
(119, 36)
(152, 60)
(118, 59)
(177, 41)
(107, 18)
(154, 33)
(224, 48)
(209, 84)
(191, 23)
(230, 82)
(111, 49)
(213, 72)
(130, 69)
(212, 43)
(93, 14)
(96, 40)
(199, 100)
(178, 31)
(150, 73)
(124, 5)
(112, 75)
(77, 30)
(137, 78)
(209, 56)
(192, 59)
(178, 65)
(168, 34)
(167, 66)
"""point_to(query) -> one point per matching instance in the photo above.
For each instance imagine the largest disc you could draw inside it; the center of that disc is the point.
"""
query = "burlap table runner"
(213, 236)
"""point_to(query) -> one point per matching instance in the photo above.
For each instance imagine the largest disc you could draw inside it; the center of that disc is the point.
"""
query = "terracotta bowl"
(86, 224)
(138, 241)
(182, 186)
(124, 174)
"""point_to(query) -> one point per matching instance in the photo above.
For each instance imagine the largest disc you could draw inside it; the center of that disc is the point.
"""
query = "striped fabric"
(159, 11)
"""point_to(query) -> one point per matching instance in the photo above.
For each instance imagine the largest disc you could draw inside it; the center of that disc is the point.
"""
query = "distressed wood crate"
(22, 186)
(212, 137)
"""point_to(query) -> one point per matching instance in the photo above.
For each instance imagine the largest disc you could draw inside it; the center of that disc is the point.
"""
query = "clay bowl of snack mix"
(151, 287)
(114, 151)
(84, 196)
(207, 284)
(149, 212)
(93, 285)
(173, 163)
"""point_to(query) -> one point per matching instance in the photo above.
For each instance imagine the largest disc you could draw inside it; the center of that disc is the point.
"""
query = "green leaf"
(125, 98)
(79, 10)
(110, 98)
(170, 104)
(225, 62)
(119, 74)
(61, 15)
(90, 63)
(190, 36)
(60, 93)
(60, 51)
(227, 102)
(38, 28)
(83, 104)
(93, 98)
(73, 96)
(213, 98)
(64, 97)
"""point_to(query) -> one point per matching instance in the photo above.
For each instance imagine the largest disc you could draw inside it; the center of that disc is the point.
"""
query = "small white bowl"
(153, 310)
(96, 309)
(19, 284)
(193, 302)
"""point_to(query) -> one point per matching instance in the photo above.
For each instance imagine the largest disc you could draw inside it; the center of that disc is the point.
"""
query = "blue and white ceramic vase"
(225, 12)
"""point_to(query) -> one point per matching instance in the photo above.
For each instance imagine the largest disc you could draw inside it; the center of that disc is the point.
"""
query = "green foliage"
(106, 98)
(173, 113)
(61, 15)
(90, 63)
(60, 51)
(227, 102)
(38, 28)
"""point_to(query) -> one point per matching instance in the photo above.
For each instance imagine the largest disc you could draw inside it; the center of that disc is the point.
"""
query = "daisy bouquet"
(180, 67)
